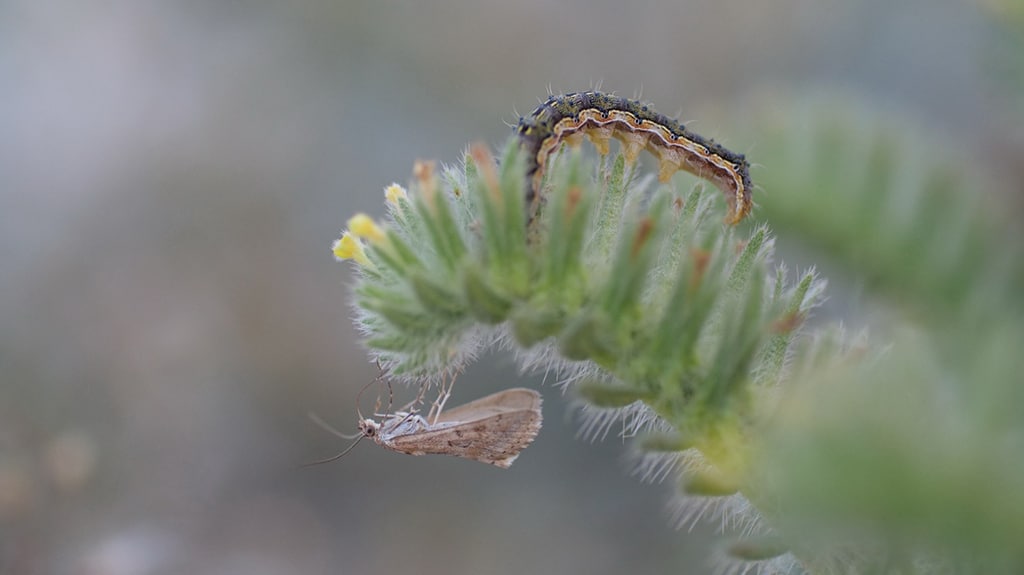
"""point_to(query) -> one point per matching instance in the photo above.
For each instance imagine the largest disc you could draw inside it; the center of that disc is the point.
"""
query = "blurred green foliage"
(914, 451)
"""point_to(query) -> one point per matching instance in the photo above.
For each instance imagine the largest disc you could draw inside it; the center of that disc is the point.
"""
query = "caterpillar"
(599, 117)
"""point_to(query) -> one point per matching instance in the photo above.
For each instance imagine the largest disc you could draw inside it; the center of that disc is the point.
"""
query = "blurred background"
(172, 176)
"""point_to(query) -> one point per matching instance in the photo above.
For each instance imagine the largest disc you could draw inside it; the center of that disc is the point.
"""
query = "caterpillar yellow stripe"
(600, 117)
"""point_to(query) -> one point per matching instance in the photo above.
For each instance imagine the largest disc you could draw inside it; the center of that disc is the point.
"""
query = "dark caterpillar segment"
(601, 116)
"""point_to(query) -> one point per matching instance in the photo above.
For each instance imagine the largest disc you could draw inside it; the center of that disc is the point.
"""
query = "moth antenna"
(391, 397)
(333, 457)
(359, 396)
(326, 426)
(381, 372)
(423, 391)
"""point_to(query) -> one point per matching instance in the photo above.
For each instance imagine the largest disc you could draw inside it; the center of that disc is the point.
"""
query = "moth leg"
(400, 419)
(442, 398)
(435, 409)
(412, 405)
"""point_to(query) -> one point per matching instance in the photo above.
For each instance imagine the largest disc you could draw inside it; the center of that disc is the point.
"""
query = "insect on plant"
(492, 429)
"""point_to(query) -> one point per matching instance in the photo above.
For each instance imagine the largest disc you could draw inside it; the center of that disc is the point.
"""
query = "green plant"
(823, 452)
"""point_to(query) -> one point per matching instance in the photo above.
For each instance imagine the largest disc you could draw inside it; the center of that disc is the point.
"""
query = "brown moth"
(492, 429)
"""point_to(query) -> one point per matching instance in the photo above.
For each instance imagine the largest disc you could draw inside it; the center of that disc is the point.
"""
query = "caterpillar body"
(599, 117)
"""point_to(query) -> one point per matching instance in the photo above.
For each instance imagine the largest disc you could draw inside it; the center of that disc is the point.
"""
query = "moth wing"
(496, 439)
(515, 399)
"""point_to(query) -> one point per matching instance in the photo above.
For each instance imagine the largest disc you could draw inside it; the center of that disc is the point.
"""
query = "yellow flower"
(394, 193)
(350, 248)
(363, 226)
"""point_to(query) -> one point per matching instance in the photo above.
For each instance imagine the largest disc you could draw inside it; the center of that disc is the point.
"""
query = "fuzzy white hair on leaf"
(597, 422)
(657, 466)
(785, 564)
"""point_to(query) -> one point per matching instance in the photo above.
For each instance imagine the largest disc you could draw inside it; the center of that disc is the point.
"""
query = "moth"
(492, 429)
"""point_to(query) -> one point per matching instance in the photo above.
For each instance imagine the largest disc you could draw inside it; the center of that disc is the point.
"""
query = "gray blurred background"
(172, 175)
